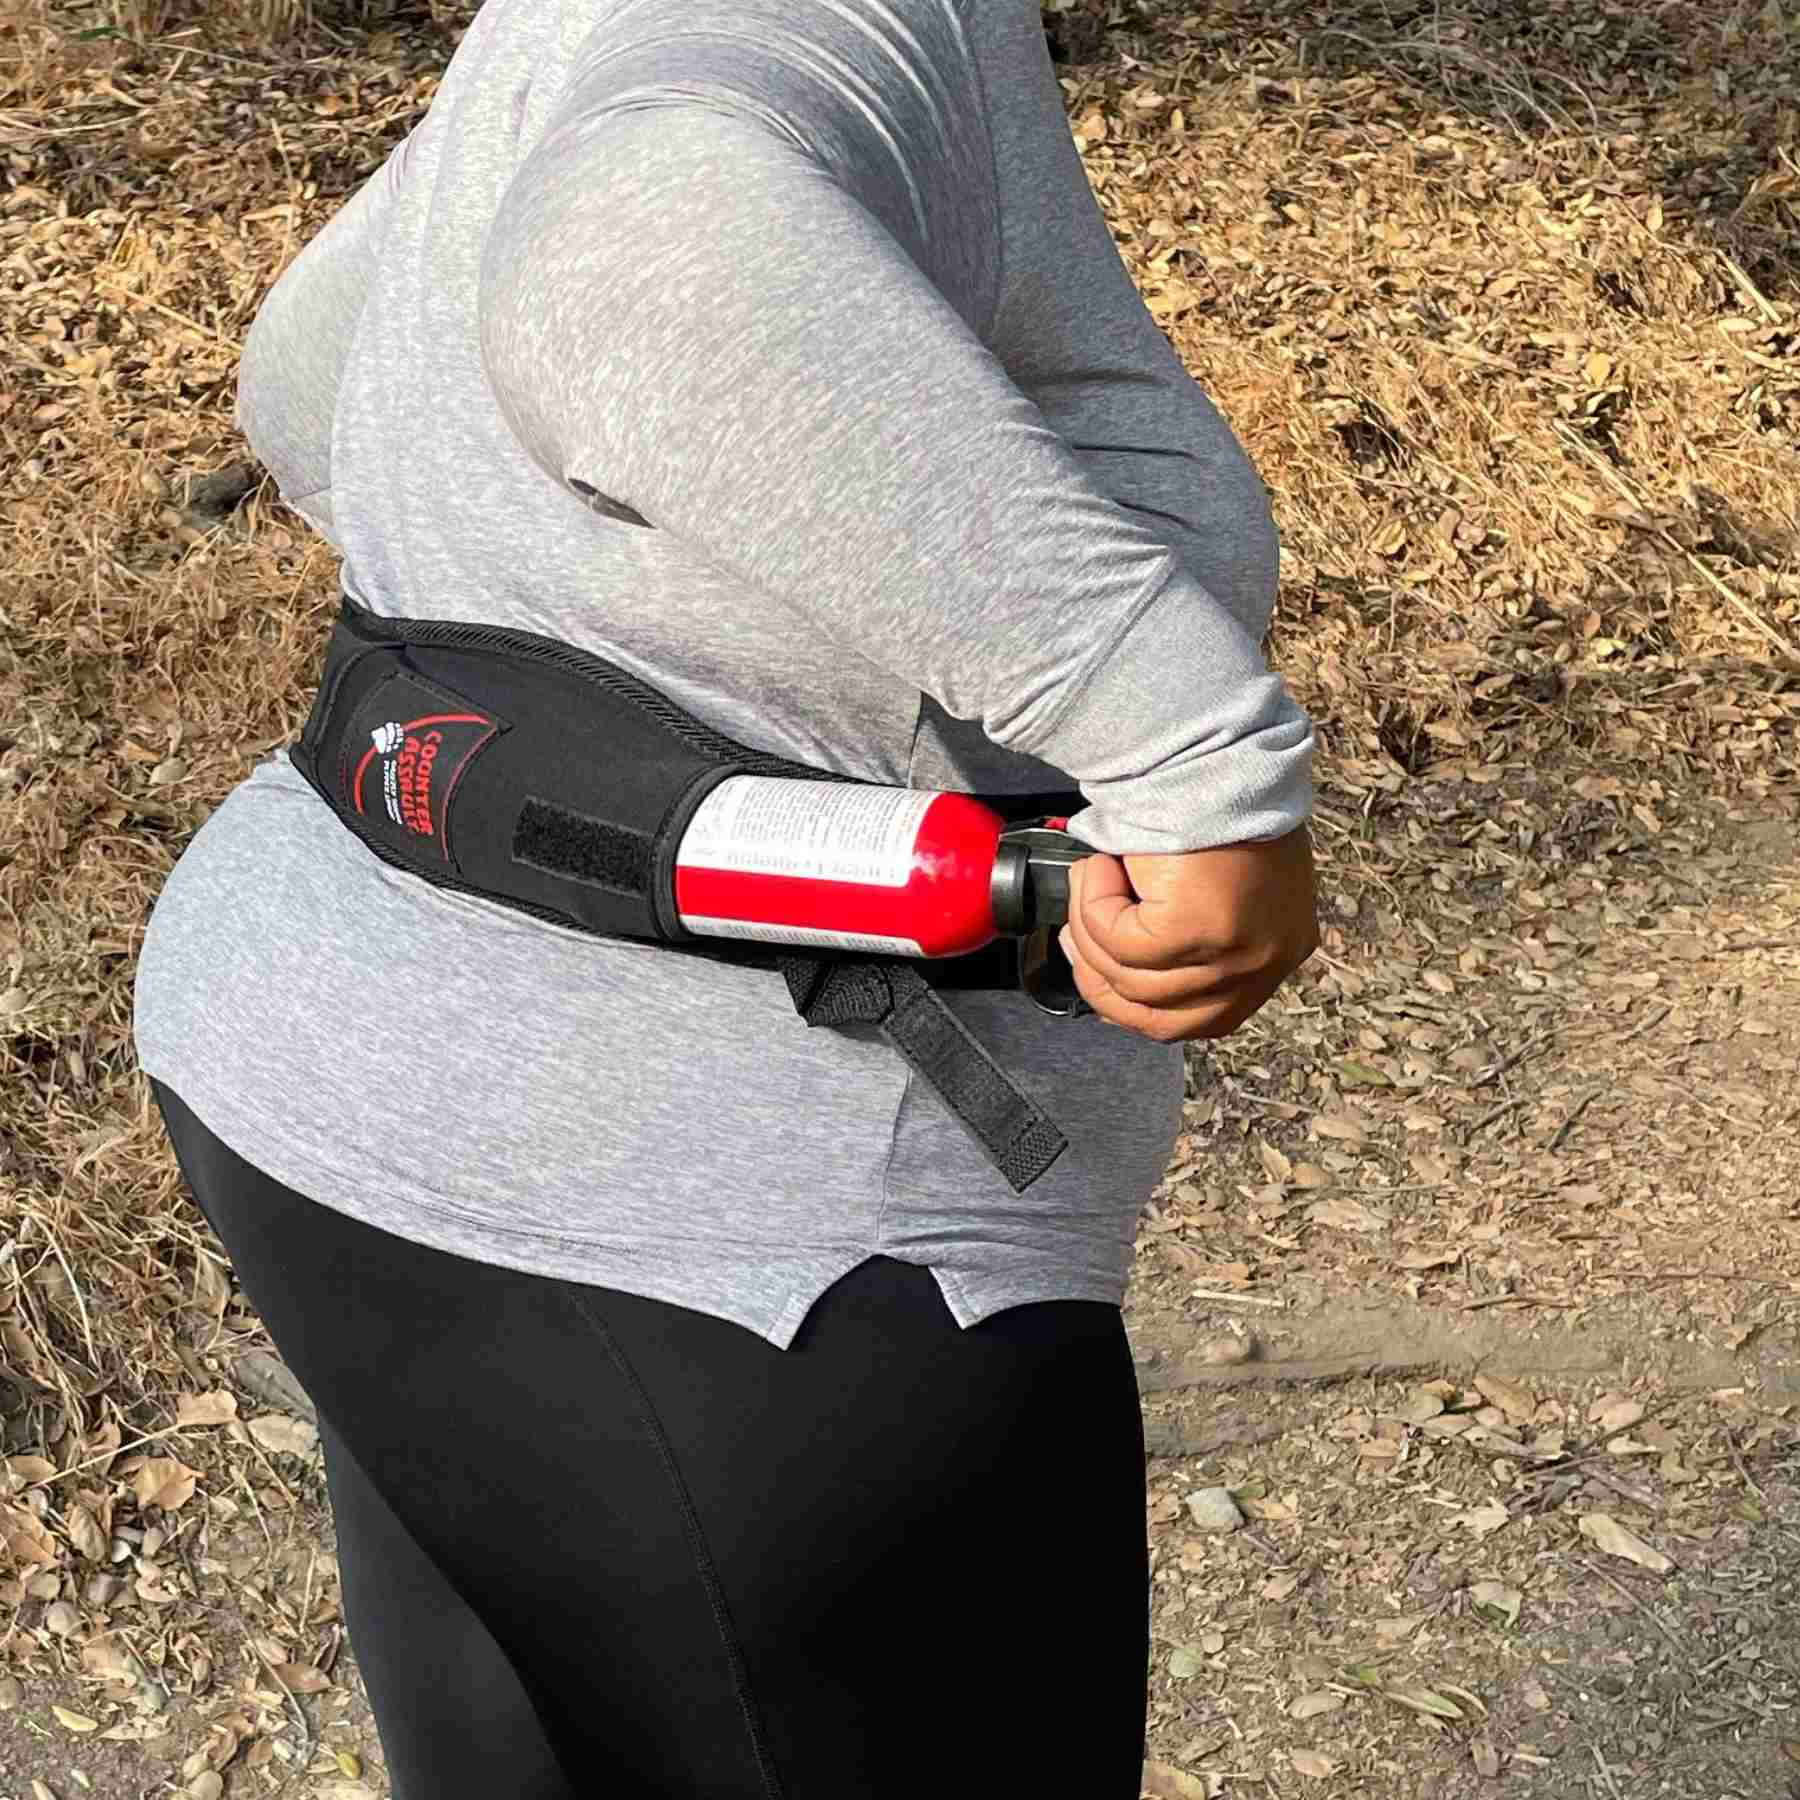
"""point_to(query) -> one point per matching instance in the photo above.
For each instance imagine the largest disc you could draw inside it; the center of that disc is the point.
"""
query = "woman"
(703, 1415)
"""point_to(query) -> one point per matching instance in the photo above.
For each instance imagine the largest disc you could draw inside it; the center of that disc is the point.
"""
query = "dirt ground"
(1475, 1279)
(1554, 1277)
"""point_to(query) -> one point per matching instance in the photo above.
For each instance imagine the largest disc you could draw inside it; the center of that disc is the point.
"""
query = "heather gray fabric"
(817, 289)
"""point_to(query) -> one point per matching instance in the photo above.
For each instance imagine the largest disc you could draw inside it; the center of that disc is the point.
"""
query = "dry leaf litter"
(1471, 1290)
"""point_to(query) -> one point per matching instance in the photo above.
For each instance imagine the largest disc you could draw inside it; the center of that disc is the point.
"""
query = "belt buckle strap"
(1011, 1130)
(1015, 1134)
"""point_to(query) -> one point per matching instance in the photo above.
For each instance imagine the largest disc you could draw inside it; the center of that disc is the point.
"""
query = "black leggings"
(594, 1544)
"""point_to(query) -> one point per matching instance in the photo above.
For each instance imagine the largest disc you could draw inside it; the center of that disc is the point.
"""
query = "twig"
(1750, 290)
(1518, 1299)
(256, 1450)
(1466, 59)
(1723, 589)
(1738, 1463)
(255, 1505)
(168, 312)
(1240, 1299)
(1517, 1057)
(1643, 1025)
(104, 1455)
(1498, 1112)
(1293, 1106)
(142, 1675)
(187, 1562)
(87, 1328)
(1637, 1496)
(37, 133)
(197, 50)
(312, 1565)
(281, 150)
(1575, 1112)
(300, 1718)
(1631, 1599)
(1268, 1549)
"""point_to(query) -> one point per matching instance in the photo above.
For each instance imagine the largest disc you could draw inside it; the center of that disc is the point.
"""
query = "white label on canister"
(803, 937)
(823, 830)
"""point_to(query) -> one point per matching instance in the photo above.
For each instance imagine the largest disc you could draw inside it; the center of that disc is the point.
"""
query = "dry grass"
(1505, 301)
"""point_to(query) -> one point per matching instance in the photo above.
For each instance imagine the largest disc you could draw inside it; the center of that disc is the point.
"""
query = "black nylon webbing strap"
(1019, 1139)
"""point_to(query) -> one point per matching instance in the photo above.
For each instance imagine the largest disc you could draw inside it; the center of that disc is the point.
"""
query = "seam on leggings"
(703, 1562)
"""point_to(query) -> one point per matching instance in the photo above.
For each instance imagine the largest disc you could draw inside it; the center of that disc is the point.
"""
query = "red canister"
(840, 866)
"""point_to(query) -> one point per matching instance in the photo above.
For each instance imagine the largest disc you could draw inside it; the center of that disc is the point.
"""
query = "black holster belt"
(519, 768)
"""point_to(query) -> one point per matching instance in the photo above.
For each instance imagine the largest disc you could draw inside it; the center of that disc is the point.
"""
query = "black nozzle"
(1030, 887)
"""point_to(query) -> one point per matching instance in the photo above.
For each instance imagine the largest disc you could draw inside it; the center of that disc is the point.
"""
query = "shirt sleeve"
(739, 287)
(299, 342)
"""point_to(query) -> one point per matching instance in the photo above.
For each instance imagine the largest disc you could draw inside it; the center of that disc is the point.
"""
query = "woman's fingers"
(1190, 945)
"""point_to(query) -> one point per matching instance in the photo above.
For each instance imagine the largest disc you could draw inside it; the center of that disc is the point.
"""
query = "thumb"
(1099, 890)
(1127, 909)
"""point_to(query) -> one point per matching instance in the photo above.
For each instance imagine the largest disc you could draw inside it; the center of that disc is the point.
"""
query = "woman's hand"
(1186, 946)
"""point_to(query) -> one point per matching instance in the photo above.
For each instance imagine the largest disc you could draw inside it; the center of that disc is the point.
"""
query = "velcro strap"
(583, 848)
(1012, 1131)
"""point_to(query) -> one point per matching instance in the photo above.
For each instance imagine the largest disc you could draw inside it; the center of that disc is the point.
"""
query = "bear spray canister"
(878, 870)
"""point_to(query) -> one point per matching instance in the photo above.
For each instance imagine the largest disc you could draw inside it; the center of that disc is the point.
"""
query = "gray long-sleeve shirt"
(778, 351)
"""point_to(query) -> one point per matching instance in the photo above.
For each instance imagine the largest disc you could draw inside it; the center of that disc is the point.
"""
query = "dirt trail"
(1435, 1399)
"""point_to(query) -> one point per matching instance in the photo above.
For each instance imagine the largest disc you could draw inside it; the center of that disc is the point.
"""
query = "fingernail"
(1066, 938)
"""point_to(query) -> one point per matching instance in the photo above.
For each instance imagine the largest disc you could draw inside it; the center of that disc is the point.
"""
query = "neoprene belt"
(558, 784)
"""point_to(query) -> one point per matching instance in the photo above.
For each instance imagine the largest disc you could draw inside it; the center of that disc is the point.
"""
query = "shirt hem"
(628, 1267)
(970, 1302)
(593, 1262)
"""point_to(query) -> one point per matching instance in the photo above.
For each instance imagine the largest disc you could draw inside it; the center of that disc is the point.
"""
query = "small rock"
(1221, 1352)
(10, 1693)
(208, 1786)
(1420, 1408)
(62, 1618)
(1213, 1509)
